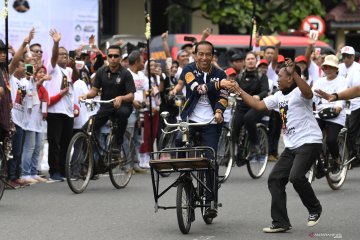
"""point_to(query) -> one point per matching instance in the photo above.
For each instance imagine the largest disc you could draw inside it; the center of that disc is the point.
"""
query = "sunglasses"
(113, 55)
(344, 55)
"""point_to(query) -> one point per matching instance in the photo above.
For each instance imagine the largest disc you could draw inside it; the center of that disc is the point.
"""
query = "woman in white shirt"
(331, 83)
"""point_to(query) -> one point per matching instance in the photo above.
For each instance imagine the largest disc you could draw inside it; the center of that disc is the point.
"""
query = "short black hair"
(35, 45)
(204, 43)
(186, 45)
(267, 47)
(134, 57)
(115, 47)
(175, 62)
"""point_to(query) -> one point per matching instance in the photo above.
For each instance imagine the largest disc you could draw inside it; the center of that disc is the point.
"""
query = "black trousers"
(120, 115)
(59, 133)
(332, 131)
(293, 165)
(274, 132)
(354, 131)
(249, 117)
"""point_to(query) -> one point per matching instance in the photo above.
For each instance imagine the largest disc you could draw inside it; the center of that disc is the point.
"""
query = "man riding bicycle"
(116, 83)
(204, 100)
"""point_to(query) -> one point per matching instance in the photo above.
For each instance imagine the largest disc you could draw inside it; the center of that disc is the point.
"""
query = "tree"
(234, 16)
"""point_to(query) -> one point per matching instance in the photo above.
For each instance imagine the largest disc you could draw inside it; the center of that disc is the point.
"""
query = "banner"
(76, 20)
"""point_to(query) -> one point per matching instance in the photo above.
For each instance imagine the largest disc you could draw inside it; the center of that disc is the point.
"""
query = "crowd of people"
(41, 101)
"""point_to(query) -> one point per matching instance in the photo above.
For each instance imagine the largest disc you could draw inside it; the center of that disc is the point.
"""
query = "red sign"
(313, 23)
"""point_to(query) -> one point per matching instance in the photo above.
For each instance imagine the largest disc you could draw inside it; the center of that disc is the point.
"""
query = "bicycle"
(86, 155)
(167, 138)
(193, 166)
(335, 172)
(256, 166)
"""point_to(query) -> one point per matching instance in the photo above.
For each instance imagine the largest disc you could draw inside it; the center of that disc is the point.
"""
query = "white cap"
(348, 50)
(125, 55)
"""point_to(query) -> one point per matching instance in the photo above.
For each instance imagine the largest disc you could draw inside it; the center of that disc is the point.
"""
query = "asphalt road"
(51, 211)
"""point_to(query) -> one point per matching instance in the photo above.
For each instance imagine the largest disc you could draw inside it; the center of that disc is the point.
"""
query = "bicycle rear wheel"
(166, 141)
(336, 178)
(79, 162)
(225, 162)
(120, 165)
(184, 207)
(257, 165)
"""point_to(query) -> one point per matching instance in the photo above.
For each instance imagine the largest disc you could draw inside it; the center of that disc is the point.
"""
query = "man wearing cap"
(237, 63)
(351, 71)
(125, 60)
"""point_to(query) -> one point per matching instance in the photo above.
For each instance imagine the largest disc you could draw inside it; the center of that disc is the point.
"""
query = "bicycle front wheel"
(79, 162)
(257, 165)
(225, 162)
(121, 165)
(183, 207)
(336, 177)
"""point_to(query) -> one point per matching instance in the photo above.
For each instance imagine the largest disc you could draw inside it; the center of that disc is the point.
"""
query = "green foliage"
(274, 15)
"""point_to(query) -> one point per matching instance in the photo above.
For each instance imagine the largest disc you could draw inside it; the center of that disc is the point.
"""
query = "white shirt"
(298, 123)
(331, 86)
(66, 103)
(140, 81)
(314, 72)
(17, 111)
(203, 111)
(80, 88)
(33, 117)
(352, 75)
(271, 74)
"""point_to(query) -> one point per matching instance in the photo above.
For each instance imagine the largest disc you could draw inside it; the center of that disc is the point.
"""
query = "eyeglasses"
(113, 55)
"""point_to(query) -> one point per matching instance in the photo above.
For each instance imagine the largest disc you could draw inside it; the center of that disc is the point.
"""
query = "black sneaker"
(210, 213)
(276, 229)
(320, 170)
(313, 219)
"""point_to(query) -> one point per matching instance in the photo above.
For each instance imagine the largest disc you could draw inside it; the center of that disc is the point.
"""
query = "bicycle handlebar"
(183, 126)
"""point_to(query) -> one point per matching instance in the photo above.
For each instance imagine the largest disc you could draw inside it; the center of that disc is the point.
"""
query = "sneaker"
(313, 219)
(320, 170)
(210, 213)
(138, 169)
(276, 229)
(55, 177)
(11, 184)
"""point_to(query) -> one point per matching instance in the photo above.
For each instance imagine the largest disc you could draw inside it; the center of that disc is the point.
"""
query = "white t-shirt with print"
(203, 111)
(33, 117)
(17, 111)
(352, 75)
(80, 88)
(53, 86)
(298, 122)
(140, 81)
(331, 86)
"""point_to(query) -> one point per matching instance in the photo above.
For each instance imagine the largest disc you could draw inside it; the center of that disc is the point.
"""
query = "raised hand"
(30, 37)
(165, 35)
(92, 40)
(290, 66)
(56, 36)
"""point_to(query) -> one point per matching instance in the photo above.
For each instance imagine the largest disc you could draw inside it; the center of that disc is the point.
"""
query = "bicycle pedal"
(219, 205)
